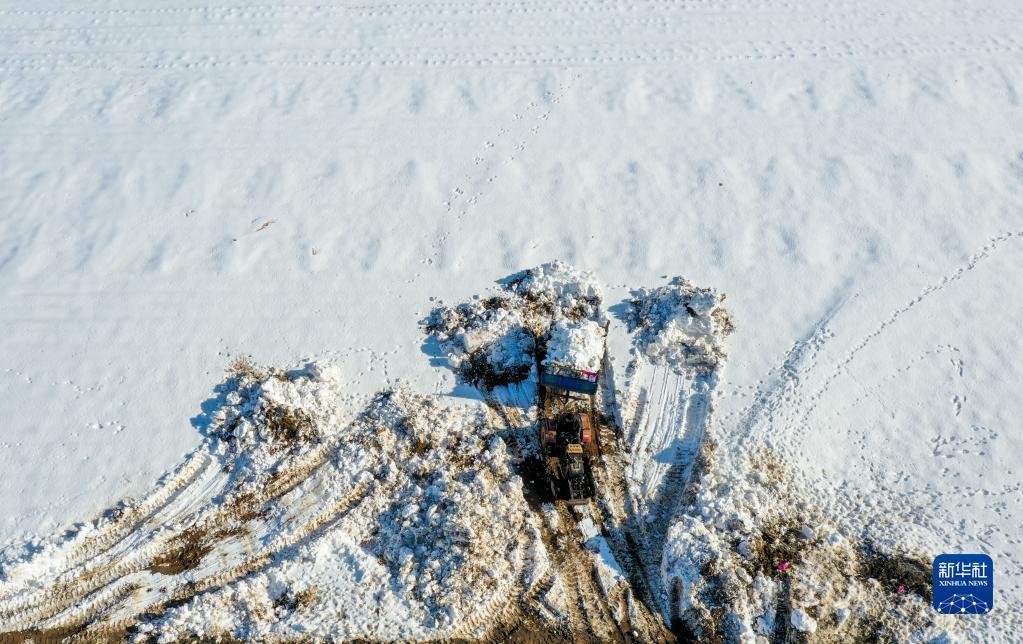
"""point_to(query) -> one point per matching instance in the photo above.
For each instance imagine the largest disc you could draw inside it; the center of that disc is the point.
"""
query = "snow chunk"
(609, 573)
(576, 344)
(550, 515)
(801, 621)
(587, 529)
(842, 616)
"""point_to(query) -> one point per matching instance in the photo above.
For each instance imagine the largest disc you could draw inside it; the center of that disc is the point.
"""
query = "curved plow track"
(179, 542)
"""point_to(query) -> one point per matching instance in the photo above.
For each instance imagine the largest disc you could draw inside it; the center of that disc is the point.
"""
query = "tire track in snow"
(589, 26)
(147, 511)
(108, 592)
(525, 26)
(387, 9)
(662, 457)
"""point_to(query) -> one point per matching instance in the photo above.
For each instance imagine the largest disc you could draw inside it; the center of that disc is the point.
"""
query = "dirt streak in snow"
(399, 521)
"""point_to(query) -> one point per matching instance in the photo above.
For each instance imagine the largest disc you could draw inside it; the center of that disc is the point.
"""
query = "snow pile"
(561, 290)
(577, 344)
(265, 415)
(439, 534)
(298, 519)
(456, 510)
(751, 559)
(487, 342)
(681, 325)
(491, 342)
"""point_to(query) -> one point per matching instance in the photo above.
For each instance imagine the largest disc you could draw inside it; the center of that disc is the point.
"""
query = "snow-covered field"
(183, 184)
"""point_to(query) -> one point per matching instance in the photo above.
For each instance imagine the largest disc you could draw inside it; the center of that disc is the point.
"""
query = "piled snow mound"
(680, 325)
(300, 517)
(487, 342)
(440, 534)
(457, 505)
(577, 344)
(267, 414)
(751, 560)
(492, 342)
(561, 289)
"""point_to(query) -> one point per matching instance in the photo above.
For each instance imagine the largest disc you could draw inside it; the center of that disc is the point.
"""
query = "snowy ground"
(181, 184)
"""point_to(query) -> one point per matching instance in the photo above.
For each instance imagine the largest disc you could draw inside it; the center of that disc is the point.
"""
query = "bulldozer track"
(508, 608)
(631, 556)
(251, 561)
(680, 471)
(633, 612)
(94, 546)
(666, 414)
(108, 593)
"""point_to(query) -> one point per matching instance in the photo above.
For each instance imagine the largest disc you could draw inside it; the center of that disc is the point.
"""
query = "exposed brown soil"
(891, 570)
(184, 552)
(477, 371)
(288, 425)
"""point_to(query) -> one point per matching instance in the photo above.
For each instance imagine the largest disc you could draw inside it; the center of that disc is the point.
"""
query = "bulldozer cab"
(566, 430)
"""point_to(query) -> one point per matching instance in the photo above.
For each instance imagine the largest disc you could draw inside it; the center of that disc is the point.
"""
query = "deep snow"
(184, 184)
